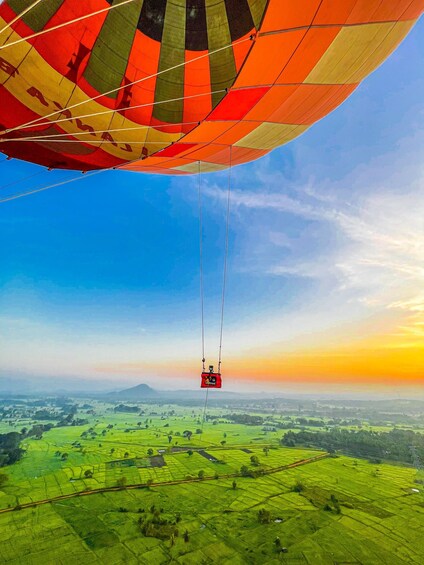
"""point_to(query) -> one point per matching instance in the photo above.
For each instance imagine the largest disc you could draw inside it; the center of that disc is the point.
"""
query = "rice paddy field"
(115, 491)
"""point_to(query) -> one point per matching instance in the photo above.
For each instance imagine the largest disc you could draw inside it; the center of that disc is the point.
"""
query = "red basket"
(211, 380)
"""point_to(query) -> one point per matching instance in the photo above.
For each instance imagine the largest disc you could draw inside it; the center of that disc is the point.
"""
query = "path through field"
(158, 484)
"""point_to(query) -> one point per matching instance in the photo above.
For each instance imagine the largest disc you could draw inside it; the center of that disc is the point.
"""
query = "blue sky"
(100, 278)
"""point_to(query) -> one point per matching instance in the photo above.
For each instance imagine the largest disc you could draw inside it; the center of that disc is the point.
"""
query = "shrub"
(264, 516)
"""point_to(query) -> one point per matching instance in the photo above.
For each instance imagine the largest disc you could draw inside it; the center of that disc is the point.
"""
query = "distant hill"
(139, 392)
(144, 392)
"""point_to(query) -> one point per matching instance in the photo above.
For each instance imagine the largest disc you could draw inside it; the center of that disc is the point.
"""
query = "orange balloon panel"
(178, 86)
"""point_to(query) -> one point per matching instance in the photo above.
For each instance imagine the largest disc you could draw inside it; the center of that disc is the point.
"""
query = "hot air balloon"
(164, 86)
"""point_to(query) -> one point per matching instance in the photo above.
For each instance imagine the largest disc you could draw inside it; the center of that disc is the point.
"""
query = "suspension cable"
(199, 193)
(19, 16)
(101, 141)
(61, 183)
(47, 187)
(52, 136)
(104, 112)
(64, 24)
(205, 408)
(224, 281)
(224, 277)
(9, 184)
(138, 81)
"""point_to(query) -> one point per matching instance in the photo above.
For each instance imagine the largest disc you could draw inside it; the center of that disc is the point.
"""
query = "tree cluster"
(264, 516)
(154, 525)
(394, 445)
(10, 450)
(246, 419)
(126, 408)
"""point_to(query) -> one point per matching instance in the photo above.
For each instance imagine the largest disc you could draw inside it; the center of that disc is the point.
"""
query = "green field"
(327, 511)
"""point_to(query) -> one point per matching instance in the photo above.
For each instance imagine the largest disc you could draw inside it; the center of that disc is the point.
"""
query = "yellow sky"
(391, 359)
(390, 352)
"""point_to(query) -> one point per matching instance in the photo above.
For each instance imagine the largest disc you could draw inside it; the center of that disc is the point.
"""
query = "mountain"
(143, 392)
(13, 386)
(139, 392)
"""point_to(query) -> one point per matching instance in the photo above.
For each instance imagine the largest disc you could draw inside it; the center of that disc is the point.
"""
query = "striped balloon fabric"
(178, 86)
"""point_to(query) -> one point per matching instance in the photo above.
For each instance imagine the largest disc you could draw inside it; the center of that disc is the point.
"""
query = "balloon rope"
(199, 194)
(64, 24)
(80, 177)
(50, 122)
(23, 179)
(41, 189)
(224, 278)
(52, 136)
(138, 81)
(19, 16)
(205, 408)
(101, 141)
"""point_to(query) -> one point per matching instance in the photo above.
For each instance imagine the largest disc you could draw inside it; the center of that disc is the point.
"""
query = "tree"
(126, 455)
(298, 486)
(223, 442)
(64, 456)
(169, 439)
(186, 536)
(190, 452)
(244, 471)
(121, 482)
(277, 542)
(88, 474)
(264, 516)
(149, 482)
(234, 485)
(201, 474)
(266, 450)
(150, 452)
(254, 459)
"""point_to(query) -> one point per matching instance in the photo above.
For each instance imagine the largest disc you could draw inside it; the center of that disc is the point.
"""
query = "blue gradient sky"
(100, 278)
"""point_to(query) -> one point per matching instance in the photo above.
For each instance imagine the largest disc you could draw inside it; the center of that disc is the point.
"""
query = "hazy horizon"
(26, 384)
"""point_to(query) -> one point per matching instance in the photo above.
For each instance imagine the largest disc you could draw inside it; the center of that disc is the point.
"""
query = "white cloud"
(361, 238)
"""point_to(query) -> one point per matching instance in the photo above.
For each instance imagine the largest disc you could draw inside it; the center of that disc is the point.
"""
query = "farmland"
(155, 484)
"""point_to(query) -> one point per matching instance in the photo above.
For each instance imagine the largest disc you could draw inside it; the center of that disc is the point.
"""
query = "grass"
(109, 455)
(380, 525)
(380, 519)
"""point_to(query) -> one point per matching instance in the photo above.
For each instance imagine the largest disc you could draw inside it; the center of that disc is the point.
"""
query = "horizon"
(74, 385)
(325, 266)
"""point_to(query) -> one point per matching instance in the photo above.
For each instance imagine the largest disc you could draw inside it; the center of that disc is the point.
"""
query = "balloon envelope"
(169, 86)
